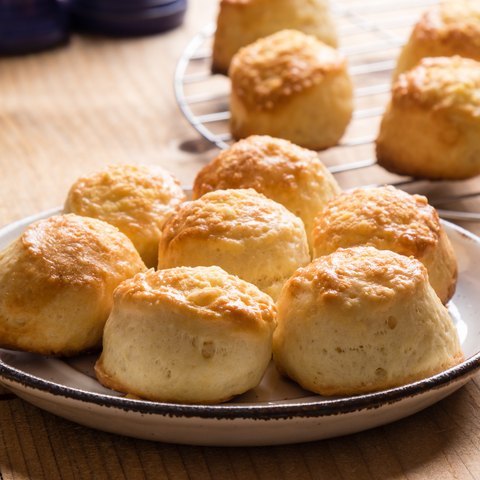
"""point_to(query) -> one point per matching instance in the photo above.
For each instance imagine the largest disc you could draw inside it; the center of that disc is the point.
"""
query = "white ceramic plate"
(276, 412)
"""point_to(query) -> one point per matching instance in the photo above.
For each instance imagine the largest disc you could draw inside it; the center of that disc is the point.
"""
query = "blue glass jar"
(126, 17)
(28, 26)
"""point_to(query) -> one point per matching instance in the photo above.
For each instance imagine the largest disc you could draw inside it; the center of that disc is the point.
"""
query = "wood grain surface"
(99, 101)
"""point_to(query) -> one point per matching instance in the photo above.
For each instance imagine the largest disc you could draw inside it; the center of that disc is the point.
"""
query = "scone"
(187, 335)
(389, 219)
(282, 171)
(57, 281)
(431, 128)
(241, 22)
(362, 320)
(290, 85)
(241, 231)
(451, 28)
(137, 199)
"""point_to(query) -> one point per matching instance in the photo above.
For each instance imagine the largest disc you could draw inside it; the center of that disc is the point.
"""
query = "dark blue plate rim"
(318, 408)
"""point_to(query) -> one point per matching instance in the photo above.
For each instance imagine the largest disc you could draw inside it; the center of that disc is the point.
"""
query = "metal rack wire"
(382, 26)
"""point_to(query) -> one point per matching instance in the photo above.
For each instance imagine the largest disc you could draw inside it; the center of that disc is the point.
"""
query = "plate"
(277, 412)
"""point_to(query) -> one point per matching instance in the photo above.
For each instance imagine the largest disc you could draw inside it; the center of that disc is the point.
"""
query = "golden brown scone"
(137, 199)
(241, 22)
(57, 281)
(241, 231)
(451, 28)
(362, 320)
(389, 219)
(431, 128)
(290, 85)
(187, 335)
(282, 171)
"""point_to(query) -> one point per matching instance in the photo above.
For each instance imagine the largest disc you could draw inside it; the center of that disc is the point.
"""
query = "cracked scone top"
(57, 281)
(389, 219)
(362, 320)
(273, 69)
(241, 22)
(290, 85)
(281, 170)
(451, 28)
(441, 83)
(187, 335)
(241, 231)
(137, 199)
(431, 127)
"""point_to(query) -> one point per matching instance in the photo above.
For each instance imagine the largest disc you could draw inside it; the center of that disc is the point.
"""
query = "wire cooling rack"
(371, 34)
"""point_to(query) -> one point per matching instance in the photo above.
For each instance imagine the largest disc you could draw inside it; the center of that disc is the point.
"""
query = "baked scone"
(137, 199)
(431, 128)
(187, 335)
(57, 281)
(451, 28)
(282, 171)
(389, 219)
(241, 231)
(290, 85)
(241, 22)
(362, 320)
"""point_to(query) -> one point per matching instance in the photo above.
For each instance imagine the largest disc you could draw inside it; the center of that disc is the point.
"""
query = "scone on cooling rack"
(389, 219)
(137, 199)
(282, 171)
(241, 231)
(431, 128)
(241, 22)
(187, 335)
(57, 281)
(290, 85)
(362, 320)
(451, 28)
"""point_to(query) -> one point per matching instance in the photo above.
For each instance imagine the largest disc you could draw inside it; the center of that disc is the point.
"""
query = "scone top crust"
(73, 250)
(441, 83)
(358, 276)
(236, 214)
(455, 21)
(206, 292)
(57, 281)
(273, 166)
(385, 217)
(272, 69)
(133, 195)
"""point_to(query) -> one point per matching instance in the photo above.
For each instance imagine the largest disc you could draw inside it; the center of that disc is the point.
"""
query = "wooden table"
(100, 101)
